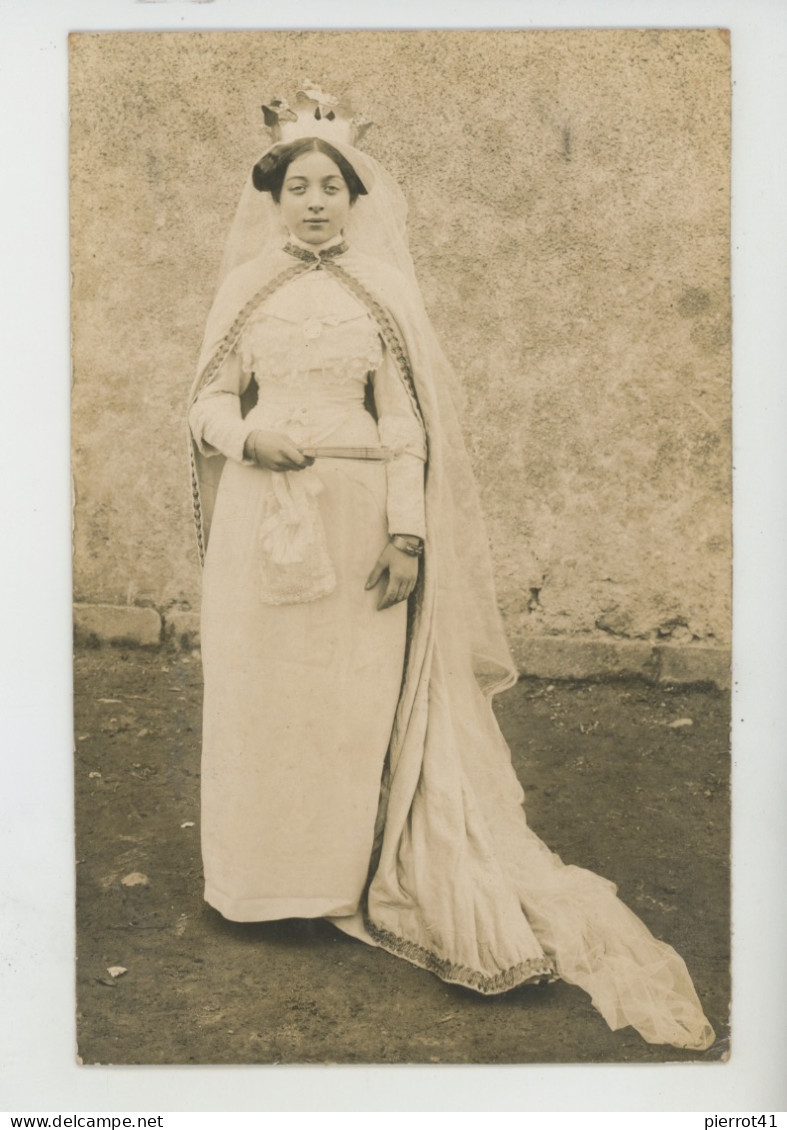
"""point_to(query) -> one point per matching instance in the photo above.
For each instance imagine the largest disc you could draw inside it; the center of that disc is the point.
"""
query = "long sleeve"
(401, 430)
(215, 418)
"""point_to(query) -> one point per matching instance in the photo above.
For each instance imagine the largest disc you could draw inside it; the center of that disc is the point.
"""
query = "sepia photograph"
(402, 460)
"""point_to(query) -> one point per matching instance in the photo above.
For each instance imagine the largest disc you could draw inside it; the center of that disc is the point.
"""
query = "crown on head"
(314, 114)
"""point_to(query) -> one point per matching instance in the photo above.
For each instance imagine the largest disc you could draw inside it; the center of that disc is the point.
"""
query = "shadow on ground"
(611, 785)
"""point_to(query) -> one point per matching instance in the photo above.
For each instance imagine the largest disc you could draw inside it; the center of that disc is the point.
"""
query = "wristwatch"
(408, 543)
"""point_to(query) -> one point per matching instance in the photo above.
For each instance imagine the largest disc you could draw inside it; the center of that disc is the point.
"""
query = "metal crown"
(314, 114)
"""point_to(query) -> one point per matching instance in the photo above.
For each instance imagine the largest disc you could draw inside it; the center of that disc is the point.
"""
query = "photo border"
(38, 1053)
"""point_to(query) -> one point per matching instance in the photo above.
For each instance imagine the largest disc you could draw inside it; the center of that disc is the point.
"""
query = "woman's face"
(315, 199)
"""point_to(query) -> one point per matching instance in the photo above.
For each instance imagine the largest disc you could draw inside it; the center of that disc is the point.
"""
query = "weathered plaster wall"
(569, 204)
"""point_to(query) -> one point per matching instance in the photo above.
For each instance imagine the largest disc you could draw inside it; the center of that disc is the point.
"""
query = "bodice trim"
(311, 256)
(307, 261)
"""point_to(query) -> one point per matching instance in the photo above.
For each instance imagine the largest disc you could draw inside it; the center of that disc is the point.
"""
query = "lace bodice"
(312, 347)
(310, 329)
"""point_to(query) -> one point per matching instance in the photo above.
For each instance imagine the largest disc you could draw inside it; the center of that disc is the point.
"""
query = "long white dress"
(306, 684)
(302, 671)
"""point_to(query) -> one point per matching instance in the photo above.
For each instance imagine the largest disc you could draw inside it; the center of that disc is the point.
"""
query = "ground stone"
(111, 623)
(539, 656)
(560, 657)
(182, 629)
(686, 665)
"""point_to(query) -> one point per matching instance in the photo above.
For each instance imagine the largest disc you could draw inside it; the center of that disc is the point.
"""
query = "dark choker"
(310, 256)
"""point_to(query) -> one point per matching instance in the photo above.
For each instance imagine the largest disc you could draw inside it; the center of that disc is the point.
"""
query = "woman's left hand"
(402, 570)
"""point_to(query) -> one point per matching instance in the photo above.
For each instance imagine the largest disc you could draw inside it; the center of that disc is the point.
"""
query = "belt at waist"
(317, 424)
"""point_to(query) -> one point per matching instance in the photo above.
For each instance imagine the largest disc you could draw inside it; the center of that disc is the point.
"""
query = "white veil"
(377, 225)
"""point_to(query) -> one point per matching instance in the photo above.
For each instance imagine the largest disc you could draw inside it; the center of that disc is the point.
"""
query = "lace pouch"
(295, 566)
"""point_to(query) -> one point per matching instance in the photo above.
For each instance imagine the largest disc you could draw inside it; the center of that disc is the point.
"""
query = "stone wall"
(569, 218)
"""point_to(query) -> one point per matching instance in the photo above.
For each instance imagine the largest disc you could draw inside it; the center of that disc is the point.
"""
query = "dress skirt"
(300, 699)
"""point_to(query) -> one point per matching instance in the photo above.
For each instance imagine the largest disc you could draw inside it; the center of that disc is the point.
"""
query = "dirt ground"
(611, 785)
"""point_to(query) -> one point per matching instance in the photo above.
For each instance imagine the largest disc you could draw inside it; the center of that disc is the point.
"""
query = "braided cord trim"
(196, 504)
(227, 343)
(535, 969)
(387, 327)
(306, 262)
(236, 329)
(313, 256)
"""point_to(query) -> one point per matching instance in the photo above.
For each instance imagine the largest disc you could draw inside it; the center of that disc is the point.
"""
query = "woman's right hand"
(275, 452)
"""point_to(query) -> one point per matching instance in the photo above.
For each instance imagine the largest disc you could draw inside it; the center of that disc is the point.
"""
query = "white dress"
(303, 676)
(302, 672)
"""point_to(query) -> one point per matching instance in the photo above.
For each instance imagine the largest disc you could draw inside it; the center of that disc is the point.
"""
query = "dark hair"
(269, 172)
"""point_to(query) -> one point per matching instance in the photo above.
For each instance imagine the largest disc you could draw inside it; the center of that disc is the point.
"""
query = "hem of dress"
(275, 909)
(535, 970)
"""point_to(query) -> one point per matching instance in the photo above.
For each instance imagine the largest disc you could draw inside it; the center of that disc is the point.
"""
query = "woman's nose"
(315, 203)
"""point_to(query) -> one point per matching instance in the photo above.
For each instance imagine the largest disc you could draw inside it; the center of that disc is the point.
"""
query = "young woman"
(352, 765)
